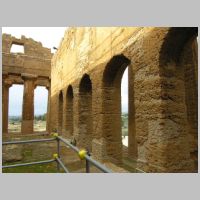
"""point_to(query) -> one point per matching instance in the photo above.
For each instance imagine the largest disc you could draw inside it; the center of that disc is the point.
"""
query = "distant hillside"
(19, 118)
(15, 118)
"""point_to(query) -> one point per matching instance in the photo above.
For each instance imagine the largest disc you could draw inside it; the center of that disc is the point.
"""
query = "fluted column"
(28, 105)
(5, 102)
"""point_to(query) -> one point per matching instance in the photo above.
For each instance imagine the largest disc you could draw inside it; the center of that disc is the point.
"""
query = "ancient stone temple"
(84, 81)
(31, 68)
(162, 74)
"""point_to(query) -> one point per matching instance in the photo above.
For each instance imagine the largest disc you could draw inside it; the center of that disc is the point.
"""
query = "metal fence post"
(83, 154)
(87, 163)
(58, 152)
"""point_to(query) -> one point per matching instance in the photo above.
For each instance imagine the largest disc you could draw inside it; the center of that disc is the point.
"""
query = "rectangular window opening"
(17, 48)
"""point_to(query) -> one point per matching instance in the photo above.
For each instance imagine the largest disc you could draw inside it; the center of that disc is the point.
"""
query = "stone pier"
(5, 99)
(28, 104)
(31, 68)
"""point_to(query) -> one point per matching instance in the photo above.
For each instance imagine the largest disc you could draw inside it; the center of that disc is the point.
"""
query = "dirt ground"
(16, 126)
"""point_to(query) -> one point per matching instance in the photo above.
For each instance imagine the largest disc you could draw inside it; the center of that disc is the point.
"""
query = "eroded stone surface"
(12, 153)
(162, 78)
(31, 68)
(162, 65)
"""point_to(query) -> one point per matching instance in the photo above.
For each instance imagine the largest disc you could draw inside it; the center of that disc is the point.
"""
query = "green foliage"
(39, 168)
(14, 119)
(40, 117)
(124, 118)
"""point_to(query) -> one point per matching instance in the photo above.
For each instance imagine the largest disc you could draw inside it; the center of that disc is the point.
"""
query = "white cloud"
(49, 36)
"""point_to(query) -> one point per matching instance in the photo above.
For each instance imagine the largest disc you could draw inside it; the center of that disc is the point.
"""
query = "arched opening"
(15, 108)
(69, 112)
(112, 131)
(85, 112)
(40, 108)
(124, 108)
(174, 43)
(60, 113)
(178, 70)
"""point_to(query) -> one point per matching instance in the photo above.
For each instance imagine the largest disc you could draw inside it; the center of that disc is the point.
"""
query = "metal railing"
(83, 154)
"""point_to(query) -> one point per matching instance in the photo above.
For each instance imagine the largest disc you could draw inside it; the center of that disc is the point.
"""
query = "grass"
(28, 152)
(39, 168)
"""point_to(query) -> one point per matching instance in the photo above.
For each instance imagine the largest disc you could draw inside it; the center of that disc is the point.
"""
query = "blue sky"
(15, 104)
(50, 37)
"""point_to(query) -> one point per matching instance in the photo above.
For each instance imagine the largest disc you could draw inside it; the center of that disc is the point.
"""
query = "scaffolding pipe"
(84, 155)
(87, 157)
(29, 141)
(62, 165)
(103, 168)
(68, 144)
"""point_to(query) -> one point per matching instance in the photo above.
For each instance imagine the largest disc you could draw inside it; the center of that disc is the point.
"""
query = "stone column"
(28, 104)
(48, 110)
(5, 102)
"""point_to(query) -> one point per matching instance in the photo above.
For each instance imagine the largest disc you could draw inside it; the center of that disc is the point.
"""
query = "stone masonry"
(86, 99)
(31, 68)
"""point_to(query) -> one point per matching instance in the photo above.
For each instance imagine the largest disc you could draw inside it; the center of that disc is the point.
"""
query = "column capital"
(5, 79)
(26, 76)
(7, 83)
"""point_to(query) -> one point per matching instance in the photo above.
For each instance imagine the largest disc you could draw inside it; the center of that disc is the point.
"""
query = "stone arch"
(174, 42)
(85, 112)
(112, 105)
(60, 112)
(114, 70)
(85, 85)
(177, 75)
(69, 111)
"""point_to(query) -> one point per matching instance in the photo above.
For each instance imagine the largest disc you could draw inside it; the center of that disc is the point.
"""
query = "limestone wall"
(31, 68)
(82, 49)
(91, 61)
(35, 60)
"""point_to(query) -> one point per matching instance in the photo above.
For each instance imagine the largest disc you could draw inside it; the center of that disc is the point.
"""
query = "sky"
(50, 37)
